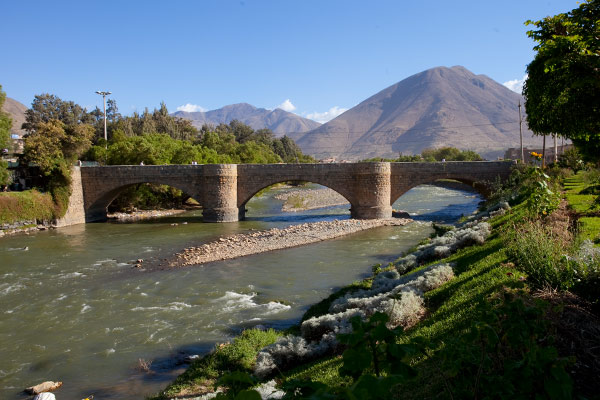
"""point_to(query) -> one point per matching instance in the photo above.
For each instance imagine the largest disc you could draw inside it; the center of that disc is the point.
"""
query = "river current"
(73, 309)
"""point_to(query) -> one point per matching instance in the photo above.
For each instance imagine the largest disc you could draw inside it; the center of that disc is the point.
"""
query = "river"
(73, 309)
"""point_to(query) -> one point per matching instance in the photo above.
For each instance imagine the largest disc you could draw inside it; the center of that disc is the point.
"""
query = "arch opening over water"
(296, 201)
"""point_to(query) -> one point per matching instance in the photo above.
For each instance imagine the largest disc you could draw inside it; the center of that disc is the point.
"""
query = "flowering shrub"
(442, 246)
(399, 297)
(587, 272)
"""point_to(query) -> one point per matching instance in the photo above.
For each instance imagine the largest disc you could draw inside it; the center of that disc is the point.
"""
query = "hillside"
(279, 121)
(16, 111)
(434, 108)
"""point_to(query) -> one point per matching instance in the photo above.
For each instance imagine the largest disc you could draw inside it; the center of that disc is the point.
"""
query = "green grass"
(482, 273)
(589, 228)
(27, 205)
(236, 356)
(589, 221)
(451, 309)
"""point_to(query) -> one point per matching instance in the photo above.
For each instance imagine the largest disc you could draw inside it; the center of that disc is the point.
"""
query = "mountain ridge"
(279, 121)
(441, 106)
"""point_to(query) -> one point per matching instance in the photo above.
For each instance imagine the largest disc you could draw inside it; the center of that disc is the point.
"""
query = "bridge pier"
(220, 193)
(372, 191)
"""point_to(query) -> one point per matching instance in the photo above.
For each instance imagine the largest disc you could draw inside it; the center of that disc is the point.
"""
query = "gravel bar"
(245, 244)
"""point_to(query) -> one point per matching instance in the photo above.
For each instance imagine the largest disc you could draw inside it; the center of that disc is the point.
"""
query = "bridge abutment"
(220, 194)
(372, 191)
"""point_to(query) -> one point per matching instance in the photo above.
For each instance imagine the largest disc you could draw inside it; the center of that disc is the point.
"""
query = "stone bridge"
(224, 189)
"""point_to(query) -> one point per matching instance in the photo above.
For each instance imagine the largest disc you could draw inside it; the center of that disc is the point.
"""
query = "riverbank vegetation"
(30, 205)
(61, 132)
(517, 317)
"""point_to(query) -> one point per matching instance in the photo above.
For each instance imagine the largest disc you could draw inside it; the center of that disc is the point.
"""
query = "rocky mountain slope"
(434, 108)
(16, 111)
(279, 121)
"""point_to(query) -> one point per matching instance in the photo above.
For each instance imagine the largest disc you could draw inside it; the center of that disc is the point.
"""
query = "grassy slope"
(451, 308)
(479, 275)
(482, 272)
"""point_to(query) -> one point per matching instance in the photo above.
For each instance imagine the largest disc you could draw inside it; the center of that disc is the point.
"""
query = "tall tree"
(562, 91)
(5, 125)
(46, 107)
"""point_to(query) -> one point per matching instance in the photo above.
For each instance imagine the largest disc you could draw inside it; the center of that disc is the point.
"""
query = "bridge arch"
(103, 185)
(249, 195)
(475, 185)
(406, 176)
(364, 185)
(100, 206)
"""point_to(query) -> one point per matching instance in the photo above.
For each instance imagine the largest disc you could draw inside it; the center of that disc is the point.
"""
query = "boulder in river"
(47, 386)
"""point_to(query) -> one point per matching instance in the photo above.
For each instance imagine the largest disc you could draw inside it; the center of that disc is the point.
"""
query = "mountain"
(16, 111)
(434, 108)
(279, 121)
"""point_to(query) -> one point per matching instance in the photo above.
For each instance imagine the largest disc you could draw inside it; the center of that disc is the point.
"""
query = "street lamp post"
(104, 94)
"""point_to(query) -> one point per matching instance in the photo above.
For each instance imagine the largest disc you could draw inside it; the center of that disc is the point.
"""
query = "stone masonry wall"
(224, 189)
(76, 211)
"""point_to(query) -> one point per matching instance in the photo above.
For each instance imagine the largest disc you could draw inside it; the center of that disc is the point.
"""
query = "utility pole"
(104, 94)
(521, 134)
(555, 149)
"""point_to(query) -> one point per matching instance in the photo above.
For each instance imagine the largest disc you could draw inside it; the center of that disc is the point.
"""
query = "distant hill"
(16, 111)
(434, 108)
(279, 121)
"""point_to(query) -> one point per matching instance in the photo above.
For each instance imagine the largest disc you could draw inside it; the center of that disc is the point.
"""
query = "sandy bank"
(274, 239)
(309, 199)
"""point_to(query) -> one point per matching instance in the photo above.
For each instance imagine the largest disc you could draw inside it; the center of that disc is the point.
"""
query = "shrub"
(587, 272)
(30, 205)
(541, 254)
(504, 355)
(542, 195)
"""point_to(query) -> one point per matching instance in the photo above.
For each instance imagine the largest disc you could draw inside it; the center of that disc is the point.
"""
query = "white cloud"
(191, 108)
(287, 106)
(516, 85)
(327, 115)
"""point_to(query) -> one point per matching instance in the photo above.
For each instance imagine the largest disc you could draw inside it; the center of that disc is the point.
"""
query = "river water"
(73, 309)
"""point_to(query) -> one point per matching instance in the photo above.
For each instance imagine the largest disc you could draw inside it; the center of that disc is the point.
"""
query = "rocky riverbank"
(25, 227)
(274, 239)
(143, 214)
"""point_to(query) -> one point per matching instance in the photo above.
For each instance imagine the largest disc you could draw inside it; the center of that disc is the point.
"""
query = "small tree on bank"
(5, 124)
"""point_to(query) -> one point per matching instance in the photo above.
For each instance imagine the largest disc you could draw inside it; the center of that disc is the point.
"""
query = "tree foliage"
(58, 133)
(562, 91)
(432, 155)
(5, 125)
(46, 107)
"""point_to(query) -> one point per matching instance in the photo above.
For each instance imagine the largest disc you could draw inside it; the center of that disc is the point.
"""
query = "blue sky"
(315, 58)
